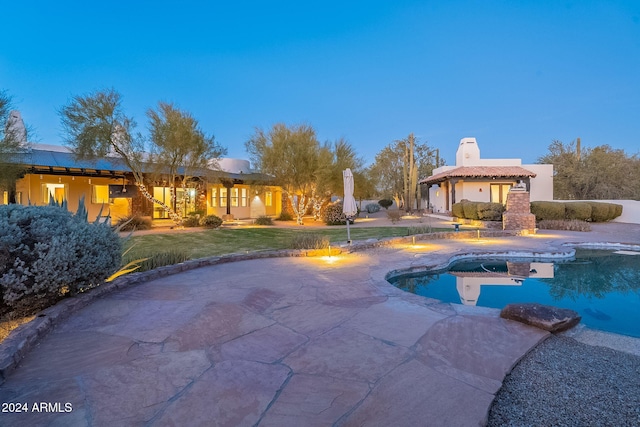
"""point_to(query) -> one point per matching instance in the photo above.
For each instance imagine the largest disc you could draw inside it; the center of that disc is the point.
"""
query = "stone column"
(518, 215)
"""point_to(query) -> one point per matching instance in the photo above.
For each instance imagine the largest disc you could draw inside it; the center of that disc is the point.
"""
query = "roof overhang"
(479, 172)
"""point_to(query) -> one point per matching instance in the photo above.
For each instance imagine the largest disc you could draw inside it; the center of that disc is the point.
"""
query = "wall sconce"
(59, 180)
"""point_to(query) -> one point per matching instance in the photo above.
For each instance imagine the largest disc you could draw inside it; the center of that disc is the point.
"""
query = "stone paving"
(280, 342)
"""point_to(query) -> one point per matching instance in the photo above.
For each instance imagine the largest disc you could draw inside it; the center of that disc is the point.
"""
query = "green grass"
(226, 241)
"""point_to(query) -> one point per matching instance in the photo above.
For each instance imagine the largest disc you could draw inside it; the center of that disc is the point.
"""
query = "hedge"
(545, 211)
(581, 211)
(478, 210)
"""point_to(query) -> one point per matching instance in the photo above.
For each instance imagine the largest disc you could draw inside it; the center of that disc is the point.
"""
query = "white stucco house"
(484, 180)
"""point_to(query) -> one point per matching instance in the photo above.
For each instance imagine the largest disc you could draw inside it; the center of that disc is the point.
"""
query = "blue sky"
(514, 74)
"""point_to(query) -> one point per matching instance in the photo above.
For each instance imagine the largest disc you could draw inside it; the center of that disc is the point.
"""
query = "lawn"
(226, 240)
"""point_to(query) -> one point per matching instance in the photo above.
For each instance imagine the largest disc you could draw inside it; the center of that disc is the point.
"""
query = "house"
(484, 180)
(231, 190)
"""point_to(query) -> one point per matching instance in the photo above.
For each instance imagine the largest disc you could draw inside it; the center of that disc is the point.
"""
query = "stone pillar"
(518, 214)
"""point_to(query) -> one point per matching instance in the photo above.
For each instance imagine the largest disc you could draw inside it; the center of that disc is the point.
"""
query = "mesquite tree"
(295, 159)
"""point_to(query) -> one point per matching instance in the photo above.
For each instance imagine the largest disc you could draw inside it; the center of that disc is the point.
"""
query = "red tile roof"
(479, 172)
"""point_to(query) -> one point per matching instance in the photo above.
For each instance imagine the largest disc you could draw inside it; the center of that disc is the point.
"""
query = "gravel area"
(563, 382)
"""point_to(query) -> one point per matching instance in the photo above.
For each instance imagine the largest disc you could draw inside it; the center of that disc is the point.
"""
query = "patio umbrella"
(349, 207)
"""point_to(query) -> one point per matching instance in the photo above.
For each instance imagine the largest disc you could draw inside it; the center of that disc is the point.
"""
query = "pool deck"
(285, 342)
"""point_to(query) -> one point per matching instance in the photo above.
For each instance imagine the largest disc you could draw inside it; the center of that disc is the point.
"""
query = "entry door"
(499, 193)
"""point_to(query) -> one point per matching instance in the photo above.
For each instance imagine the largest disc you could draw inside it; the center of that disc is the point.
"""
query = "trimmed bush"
(333, 215)
(47, 253)
(385, 203)
(372, 207)
(133, 223)
(490, 211)
(617, 210)
(211, 221)
(470, 210)
(548, 210)
(457, 210)
(264, 220)
(309, 241)
(578, 210)
(600, 211)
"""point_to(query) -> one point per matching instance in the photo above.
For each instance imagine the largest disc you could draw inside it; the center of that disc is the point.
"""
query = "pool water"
(602, 286)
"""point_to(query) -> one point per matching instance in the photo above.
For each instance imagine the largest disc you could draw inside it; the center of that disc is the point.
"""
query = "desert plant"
(561, 224)
(385, 203)
(211, 221)
(133, 223)
(47, 253)
(264, 220)
(394, 215)
(309, 241)
(372, 207)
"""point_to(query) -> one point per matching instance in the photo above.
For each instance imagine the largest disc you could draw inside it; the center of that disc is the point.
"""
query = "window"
(234, 197)
(100, 194)
(243, 199)
(214, 197)
(5, 198)
(57, 191)
(268, 198)
(223, 197)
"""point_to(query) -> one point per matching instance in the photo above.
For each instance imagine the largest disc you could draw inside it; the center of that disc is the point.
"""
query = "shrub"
(394, 215)
(133, 223)
(192, 220)
(470, 210)
(419, 229)
(561, 224)
(372, 207)
(309, 241)
(211, 221)
(264, 220)
(578, 210)
(385, 203)
(457, 210)
(617, 210)
(490, 211)
(156, 259)
(333, 214)
(548, 210)
(47, 253)
(600, 211)
(285, 216)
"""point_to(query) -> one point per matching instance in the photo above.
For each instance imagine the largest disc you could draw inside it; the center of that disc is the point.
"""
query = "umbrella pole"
(348, 232)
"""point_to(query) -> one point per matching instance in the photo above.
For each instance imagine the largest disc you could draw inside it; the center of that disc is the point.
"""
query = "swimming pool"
(603, 286)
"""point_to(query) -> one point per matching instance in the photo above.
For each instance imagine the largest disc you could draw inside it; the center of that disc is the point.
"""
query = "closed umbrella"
(349, 207)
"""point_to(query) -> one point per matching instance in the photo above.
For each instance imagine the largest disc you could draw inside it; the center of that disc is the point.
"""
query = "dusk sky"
(514, 74)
